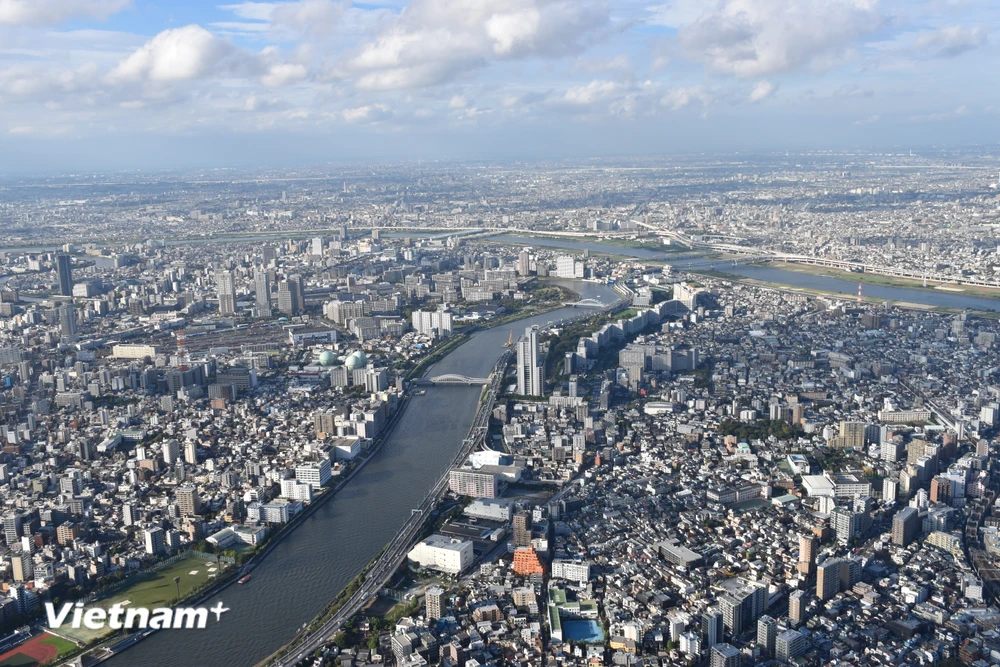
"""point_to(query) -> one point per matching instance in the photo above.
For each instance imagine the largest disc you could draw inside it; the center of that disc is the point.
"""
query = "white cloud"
(309, 17)
(178, 54)
(678, 98)
(51, 12)
(458, 102)
(283, 74)
(762, 90)
(432, 41)
(366, 114)
(595, 91)
(751, 38)
(951, 41)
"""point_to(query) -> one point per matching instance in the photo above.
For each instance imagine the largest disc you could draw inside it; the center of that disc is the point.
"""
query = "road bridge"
(451, 378)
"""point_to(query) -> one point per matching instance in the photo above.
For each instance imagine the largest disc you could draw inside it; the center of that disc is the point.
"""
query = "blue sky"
(109, 83)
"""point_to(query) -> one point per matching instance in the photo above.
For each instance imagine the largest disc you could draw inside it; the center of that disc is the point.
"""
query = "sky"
(103, 84)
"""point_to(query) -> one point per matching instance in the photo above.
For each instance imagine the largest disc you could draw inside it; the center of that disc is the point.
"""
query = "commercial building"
(125, 351)
(316, 474)
(444, 554)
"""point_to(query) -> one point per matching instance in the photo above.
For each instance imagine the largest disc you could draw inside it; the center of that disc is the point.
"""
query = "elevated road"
(395, 553)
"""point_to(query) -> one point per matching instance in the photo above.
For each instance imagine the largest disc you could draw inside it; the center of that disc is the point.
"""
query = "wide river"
(771, 274)
(313, 563)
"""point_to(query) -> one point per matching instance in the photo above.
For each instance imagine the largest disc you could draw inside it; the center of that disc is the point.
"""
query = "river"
(776, 275)
(321, 556)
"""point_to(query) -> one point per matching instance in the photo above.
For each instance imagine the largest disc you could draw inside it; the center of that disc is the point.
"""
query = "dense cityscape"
(658, 447)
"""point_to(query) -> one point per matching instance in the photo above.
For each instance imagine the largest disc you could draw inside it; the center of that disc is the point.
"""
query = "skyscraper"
(227, 292)
(262, 291)
(64, 267)
(67, 319)
(529, 371)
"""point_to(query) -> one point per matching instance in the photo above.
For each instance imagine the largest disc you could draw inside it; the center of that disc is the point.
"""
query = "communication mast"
(183, 361)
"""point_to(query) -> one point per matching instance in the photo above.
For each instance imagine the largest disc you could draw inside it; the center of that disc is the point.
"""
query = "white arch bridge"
(587, 303)
(452, 378)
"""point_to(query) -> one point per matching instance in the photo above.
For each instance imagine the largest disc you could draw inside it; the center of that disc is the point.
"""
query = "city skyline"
(105, 84)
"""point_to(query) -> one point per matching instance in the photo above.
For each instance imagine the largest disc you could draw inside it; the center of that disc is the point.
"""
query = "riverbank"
(889, 281)
(233, 575)
(810, 291)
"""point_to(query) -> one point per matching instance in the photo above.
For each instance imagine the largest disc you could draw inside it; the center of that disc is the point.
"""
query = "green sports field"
(155, 590)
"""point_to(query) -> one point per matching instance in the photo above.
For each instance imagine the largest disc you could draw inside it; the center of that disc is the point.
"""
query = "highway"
(395, 553)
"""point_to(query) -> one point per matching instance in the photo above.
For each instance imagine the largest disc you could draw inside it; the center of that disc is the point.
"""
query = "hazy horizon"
(112, 84)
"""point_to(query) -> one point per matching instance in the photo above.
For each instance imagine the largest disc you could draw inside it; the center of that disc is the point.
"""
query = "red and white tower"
(182, 354)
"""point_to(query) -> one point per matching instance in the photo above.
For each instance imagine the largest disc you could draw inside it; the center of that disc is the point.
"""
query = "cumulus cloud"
(751, 38)
(433, 41)
(595, 91)
(951, 41)
(178, 54)
(52, 12)
(678, 98)
(282, 74)
(762, 90)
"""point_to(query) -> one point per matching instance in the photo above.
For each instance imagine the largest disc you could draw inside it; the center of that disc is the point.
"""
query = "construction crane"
(510, 339)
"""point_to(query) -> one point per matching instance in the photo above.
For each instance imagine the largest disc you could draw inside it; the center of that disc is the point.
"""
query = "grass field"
(40, 650)
(156, 590)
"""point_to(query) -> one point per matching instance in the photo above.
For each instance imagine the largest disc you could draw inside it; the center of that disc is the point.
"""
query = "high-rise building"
(290, 295)
(317, 245)
(529, 370)
(828, 578)
(433, 323)
(522, 529)
(790, 644)
(67, 319)
(797, 602)
(712, 627)
(227, 292)
(724, 655)
(941, 490)
(807, 553)
(64, 268)
(22, 566)
(129, 514)
(433, 602)
(767, 631)
(262, 291)
(743, 607)
(905, 526)
(523, 263)
(191, 452)
(171, 452)
(156, 540)
(188, 501)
